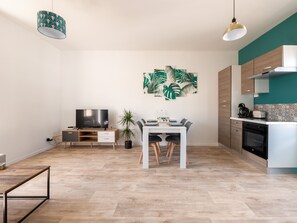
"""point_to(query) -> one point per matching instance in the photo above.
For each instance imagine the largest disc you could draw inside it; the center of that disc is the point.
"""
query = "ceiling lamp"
(51, 24)
(235, 30)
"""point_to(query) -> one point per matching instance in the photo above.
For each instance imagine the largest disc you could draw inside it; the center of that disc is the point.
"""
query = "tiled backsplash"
(279, 112)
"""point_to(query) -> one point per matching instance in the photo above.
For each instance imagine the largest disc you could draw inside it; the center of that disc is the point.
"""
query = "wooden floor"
(105, 185)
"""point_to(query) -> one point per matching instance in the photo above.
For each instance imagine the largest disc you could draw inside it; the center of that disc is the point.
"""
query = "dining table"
(165, 128)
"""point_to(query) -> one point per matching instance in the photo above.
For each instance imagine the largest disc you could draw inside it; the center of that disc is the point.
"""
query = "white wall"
(29, 92)
(113, 80)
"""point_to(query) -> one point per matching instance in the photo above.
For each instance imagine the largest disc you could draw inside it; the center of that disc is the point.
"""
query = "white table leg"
(145, 148)
(183, 148)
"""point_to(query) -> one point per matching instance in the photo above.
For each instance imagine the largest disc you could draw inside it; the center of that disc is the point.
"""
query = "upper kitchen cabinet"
(283, 56)
(255, 73)
(252, 86)
(247, 85)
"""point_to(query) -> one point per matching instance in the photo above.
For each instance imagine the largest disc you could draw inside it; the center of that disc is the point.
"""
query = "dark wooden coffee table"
(13, 177)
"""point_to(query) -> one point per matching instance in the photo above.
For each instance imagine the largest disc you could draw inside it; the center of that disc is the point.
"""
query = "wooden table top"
(14, 176)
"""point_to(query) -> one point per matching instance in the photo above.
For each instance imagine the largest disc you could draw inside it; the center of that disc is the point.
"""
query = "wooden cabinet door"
(236, 135)
(247, 85)
(105, 136)
(268, 61)
(224, 79)
(70, 136)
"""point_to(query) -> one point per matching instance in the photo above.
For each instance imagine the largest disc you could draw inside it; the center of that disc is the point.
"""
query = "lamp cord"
(234, 19)
(233, 8)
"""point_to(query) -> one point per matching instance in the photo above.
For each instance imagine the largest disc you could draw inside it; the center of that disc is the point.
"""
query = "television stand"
(92, 136)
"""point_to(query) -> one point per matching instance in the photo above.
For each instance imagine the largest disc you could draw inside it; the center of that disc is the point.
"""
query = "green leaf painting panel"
(170, 83)
(160, 76)
(181, 76)
(172, 91)
(146, 82)
(170, 74)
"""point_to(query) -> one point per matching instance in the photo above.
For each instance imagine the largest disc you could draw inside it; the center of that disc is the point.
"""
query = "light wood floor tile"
(104, 185)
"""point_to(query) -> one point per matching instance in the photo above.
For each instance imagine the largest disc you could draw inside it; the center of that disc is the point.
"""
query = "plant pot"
(128, 144)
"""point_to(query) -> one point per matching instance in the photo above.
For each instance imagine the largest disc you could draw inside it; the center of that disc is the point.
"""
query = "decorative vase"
(128, 144)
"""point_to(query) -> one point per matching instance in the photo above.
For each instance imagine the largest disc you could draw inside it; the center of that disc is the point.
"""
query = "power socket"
(49, 139)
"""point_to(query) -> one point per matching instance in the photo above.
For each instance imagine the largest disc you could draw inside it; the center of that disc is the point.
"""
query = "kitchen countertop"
(265, 122)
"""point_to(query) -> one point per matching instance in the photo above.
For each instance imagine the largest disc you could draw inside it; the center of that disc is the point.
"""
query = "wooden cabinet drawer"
(236, 131)
(236, 123)
(69, 136)
(106, 136)
(236, 135)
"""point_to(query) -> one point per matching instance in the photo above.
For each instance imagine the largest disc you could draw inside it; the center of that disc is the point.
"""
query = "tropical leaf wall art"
(170, 83)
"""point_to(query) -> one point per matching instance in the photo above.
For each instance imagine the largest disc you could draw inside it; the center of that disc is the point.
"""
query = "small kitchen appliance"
(243, 112)
(259, 114)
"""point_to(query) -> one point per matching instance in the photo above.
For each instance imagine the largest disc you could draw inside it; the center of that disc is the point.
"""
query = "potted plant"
(127, 133)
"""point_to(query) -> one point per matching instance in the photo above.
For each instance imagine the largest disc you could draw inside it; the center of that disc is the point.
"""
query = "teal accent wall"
(283, 89)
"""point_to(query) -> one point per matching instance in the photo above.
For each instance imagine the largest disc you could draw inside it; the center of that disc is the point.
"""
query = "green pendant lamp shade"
(51, 25)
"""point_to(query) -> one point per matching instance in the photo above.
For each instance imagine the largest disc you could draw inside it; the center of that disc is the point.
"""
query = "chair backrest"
(183, 121)
(143, 121)
(188, 125)
(140, 125)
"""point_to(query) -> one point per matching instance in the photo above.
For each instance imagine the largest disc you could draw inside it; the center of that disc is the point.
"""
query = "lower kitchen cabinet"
(236, 135)
(281, 144)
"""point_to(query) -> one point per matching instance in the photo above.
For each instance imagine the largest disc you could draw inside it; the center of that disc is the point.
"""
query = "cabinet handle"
(248, 90)
(224, 106)
(266, 68)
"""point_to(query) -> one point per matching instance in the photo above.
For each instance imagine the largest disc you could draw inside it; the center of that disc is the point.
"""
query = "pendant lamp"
(235, 30)
(51, 25)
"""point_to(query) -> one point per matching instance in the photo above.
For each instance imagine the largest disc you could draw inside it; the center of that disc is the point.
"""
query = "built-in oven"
(255, 139)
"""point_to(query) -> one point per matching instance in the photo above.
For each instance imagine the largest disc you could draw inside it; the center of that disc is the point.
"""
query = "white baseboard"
(29, 155)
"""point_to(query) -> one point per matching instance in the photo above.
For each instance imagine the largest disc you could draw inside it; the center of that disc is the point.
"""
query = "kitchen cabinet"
(224, 106)
(282, 146)
(236, 135)
(252, 86)
(283, 56)
(229, 94)
(247, 85)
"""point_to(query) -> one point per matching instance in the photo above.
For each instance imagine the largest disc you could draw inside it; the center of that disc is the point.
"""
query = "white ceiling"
(151, 24)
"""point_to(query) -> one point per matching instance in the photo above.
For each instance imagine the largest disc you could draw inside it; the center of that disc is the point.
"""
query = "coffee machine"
(243, 112)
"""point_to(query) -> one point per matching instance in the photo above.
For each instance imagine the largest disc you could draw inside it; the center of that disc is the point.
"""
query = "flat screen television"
(87, 118)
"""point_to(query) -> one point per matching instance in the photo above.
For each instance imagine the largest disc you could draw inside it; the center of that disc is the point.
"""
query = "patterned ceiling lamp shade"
(51, 25)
